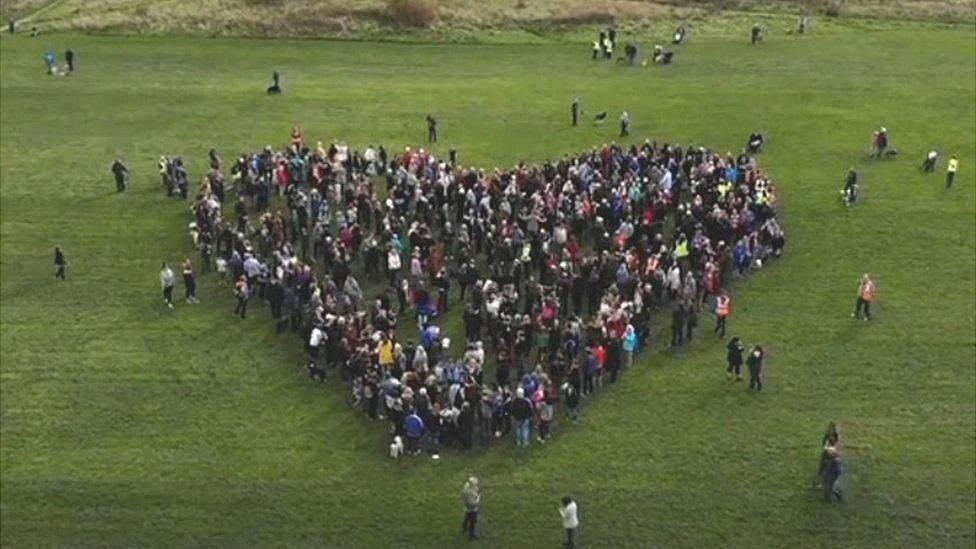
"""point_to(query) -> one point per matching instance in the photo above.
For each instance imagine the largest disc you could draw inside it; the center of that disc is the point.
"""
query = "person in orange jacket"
(865, 296)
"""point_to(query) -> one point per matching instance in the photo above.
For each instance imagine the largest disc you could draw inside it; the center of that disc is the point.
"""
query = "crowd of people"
(558, 268)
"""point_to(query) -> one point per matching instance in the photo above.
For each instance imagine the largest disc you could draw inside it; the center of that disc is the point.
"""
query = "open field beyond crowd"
(127, 424)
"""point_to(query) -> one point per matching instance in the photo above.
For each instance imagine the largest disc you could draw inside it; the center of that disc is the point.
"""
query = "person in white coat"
(570, 515)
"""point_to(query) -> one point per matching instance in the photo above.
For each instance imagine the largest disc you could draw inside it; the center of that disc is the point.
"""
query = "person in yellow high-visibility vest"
(723, 308)
(951, 171)
(681, 247)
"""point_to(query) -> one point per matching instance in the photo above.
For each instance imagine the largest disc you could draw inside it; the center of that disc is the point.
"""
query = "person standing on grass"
(168, 281)
(69, 58)
(624, 124)
(831, 473)
(723, 308)
(570, 514)
(755, 365)
(522, 411)
(189, 281)
(678, 324)
(242, 292)
(951, 171)
(60, 263)
(865, 295)
(734, 359)
(831, 439)
(431, 128)
(471, 498)
(575, 111)
(121, 172)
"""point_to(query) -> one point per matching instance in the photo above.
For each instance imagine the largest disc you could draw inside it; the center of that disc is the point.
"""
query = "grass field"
(125, 424)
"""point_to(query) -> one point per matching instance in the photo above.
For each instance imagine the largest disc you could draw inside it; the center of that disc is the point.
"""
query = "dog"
(890, 153)
(314, 372)
(274, 90)
(396, 447)
(600, 118)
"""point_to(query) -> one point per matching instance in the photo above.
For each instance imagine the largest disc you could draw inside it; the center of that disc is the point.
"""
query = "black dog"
(314, 372)
(602, 117)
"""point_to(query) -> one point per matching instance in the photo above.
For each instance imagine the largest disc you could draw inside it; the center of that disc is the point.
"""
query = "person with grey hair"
(471, 498)
(167, 280)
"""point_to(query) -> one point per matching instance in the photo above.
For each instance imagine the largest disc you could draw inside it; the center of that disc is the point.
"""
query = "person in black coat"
(120, 171)
(60, 263)
(755, 365)
(678, 325)
(69, 58)
(734, 359)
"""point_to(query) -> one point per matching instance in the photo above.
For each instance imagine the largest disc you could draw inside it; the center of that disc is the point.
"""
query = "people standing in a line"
(951, 171)
(189, 281)
(471, 498)
(60, 263)
(575, 111)
(121, 172)
(723, 308)
(167, 280)
(755, 365)
(242, 292)
(570, 514)
(734, 359)
(865, 296)
(431, 128)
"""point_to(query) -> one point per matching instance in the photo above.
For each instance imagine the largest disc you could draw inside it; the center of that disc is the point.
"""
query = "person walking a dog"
(471, 498)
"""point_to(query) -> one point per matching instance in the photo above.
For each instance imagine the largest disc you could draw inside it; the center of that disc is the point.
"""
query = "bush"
(412, 13)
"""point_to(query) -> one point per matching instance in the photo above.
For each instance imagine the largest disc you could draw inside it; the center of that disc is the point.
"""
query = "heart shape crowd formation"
(558, 268)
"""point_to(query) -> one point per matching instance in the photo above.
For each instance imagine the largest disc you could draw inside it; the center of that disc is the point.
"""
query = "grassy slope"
(465, 20)
(126, 424)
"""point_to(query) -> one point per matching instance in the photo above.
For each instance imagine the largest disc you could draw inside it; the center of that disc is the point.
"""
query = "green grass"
(126, 424)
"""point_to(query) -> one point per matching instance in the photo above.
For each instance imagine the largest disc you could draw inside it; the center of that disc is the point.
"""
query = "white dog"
(396, 447)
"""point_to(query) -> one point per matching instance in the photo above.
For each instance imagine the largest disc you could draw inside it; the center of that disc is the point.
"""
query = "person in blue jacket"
(414, 427)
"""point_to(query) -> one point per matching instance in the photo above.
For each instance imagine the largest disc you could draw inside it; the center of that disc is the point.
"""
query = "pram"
(679, 35)
(850, 194)
(755, 143)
